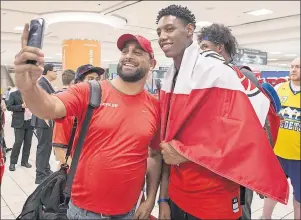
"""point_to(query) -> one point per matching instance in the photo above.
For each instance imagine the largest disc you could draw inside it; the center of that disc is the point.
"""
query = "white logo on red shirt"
(110, 105)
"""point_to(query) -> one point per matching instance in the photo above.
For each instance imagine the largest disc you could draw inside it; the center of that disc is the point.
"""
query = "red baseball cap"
(143, 42)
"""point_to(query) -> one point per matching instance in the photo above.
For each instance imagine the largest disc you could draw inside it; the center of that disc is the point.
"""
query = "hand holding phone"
(26, 74)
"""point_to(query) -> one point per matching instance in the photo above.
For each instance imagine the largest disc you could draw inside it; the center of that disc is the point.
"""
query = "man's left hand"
(170, 155)
(144, 210)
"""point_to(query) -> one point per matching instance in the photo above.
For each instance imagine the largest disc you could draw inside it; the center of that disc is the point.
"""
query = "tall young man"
(208, 126)
(114, 160)
(287, 147)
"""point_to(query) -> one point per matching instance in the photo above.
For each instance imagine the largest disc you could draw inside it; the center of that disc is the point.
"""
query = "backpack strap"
(94, 102)
(70, 143)
(247, 72)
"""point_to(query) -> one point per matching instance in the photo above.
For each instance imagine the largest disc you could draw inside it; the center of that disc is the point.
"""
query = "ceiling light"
(260, 12)
(106, 60)
(48, 57)
(275, 52)
(203, 23)
(272, 59)
(19, 28)
(59, 17)
(58, 54)
(283, 64)
(290, 55)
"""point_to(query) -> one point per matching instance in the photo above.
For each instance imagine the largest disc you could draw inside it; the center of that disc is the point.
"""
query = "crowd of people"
(209, 139)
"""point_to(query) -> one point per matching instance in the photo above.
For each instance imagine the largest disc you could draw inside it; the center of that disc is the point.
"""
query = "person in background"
(6, 94)
(201, 98)
(59, 130)
(287, 147)
(62, 129)
(2, 163)
(3, 148)
(3, 107)
(21, 122)
(88, 72)
(44, 128)
(2, 140)
(68, 77)
(3, 110)
(112, 166)
(148, 84)
(158, 85)
(219, 39)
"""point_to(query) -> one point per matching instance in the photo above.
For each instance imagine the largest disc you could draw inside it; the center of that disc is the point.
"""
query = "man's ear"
(220, 48)
(153, 64)
(190, 29)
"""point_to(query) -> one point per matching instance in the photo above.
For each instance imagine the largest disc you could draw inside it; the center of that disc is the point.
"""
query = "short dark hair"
(68, 76)
(48, 67)
(178, 11)
(220, 34)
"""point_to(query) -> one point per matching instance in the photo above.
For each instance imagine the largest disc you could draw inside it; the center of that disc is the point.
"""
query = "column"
(76, 52)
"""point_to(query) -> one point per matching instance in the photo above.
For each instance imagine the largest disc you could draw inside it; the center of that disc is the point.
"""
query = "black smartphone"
(36, 35)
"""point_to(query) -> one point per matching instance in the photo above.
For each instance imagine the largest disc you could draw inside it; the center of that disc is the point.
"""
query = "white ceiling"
(277, 32)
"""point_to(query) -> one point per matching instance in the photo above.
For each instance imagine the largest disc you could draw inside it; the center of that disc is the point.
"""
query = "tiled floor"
(18, 185)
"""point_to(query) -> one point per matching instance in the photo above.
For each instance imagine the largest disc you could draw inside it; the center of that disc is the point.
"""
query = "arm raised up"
(41, 104)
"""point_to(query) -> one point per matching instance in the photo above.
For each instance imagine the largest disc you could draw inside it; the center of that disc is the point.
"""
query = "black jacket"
(14, 104)
(35, 121)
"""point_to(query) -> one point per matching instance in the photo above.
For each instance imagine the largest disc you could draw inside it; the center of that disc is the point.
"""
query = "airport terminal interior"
(86, 32)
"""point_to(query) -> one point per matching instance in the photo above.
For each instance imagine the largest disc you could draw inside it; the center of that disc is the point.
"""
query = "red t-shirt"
(197, 190)
(112, 166)
(203, 193)
(62, 132)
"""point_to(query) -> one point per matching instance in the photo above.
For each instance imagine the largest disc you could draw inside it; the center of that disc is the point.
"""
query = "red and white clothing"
(209, 119)
(112, 166)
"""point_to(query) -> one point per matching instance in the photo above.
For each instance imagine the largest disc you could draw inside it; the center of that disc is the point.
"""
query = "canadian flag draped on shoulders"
(210, 120)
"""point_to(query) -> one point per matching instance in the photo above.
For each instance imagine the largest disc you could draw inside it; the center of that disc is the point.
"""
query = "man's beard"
(138, 75)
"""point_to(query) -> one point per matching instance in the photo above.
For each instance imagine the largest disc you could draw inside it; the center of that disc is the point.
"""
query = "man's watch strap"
(162, 200)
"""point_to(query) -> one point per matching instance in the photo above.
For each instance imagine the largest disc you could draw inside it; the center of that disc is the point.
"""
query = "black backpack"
(50, 199)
